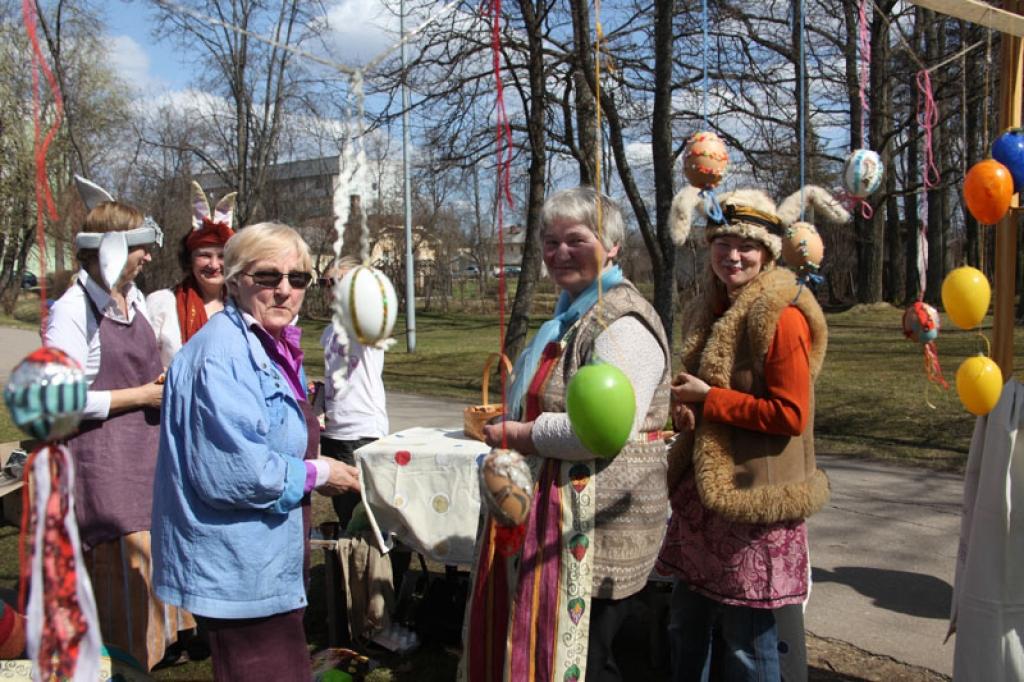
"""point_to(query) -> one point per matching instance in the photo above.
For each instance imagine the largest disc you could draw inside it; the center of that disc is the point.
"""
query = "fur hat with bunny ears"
(751, 214)
(207, 229)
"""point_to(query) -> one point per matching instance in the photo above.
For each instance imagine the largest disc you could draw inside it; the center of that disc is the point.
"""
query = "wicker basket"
(474, 418)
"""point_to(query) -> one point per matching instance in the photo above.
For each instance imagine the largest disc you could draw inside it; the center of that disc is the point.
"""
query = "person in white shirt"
(101, 321)
(178, 313)
(357, 416)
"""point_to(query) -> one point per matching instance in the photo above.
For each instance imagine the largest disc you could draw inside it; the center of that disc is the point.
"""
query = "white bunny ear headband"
(223, 212)
(751, 213)
(113, 246)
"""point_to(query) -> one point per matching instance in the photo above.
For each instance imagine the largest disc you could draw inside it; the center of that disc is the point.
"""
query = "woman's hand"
(686, 388)
(683, 417)
(343, 478)
(517, 435)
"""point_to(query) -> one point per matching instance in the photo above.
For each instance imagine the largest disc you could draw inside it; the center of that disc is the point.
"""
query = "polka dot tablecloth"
(421, 487)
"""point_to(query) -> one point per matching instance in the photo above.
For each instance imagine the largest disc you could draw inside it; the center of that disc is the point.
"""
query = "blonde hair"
(341, 265)
(263, 241)
(109, 216)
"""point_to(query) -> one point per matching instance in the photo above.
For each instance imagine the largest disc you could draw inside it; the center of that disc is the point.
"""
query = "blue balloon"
(1008, 149)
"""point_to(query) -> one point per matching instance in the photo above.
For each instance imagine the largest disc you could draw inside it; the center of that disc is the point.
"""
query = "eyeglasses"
(269, 279)
(326, 281)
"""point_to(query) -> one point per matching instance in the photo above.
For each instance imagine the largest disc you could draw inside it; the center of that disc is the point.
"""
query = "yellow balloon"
(965, 295)
(979, 383)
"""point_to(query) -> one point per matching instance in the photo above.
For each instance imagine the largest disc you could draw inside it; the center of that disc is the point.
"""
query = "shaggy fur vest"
(747, 476)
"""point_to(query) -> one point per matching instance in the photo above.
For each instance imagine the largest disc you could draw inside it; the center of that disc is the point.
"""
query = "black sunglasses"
(271, 278)
(326, 281)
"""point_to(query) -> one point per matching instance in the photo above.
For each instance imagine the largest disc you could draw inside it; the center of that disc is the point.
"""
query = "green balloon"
(335, 675)
(601, 406)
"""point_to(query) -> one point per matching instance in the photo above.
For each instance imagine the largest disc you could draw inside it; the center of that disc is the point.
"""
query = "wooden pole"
(1010, 91)
(1004, 20)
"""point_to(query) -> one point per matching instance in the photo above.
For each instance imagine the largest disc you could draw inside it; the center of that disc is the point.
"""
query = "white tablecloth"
(421, 486)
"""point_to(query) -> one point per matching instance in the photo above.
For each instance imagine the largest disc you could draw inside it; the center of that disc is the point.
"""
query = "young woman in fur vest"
(742, 474)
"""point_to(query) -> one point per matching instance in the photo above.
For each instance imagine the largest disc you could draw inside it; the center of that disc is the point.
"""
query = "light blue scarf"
(567, 311)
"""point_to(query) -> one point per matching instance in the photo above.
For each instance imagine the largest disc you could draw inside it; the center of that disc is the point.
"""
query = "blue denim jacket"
(227, 525)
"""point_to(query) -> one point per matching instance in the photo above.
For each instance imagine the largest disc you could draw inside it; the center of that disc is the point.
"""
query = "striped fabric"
(131, 617)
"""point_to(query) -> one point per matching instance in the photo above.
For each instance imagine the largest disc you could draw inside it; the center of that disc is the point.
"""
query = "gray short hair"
(263, 241)
(580, 204)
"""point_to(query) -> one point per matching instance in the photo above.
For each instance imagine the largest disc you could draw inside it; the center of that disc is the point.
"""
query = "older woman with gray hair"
(238, 459)
(596, 524)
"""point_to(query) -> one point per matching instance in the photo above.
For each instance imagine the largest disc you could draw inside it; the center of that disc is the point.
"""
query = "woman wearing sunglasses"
(238, 459)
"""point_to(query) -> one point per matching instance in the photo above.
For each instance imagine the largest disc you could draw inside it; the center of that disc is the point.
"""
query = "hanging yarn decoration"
(365, 304)
(45, 396)
(921, 324)
(803, 249)
(705, 162)
(863, 169)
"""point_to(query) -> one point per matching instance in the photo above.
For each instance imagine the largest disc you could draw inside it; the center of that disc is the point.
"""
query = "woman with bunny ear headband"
(742, 473)
(180, 312)
(102, 322)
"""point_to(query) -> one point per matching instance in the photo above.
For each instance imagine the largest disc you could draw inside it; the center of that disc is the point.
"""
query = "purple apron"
(115, 458)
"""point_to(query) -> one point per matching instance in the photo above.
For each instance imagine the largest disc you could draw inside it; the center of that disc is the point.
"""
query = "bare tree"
(260, 79)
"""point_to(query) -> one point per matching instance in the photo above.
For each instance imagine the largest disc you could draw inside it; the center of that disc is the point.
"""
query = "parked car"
(29, 280)
(512, 269)
(471, 271)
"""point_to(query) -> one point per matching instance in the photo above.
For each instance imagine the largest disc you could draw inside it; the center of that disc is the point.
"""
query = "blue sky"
(358, 32)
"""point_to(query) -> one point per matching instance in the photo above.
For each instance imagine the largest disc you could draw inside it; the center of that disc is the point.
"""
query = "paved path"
(882, 550)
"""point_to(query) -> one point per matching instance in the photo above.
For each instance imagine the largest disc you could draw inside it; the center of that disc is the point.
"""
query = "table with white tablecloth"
(420, 486)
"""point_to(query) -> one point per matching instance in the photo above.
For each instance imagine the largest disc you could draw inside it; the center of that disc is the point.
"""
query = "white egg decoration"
(367, 304)
(862, 173)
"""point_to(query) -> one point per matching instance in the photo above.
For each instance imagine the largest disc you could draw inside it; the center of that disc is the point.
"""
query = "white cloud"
(359, 30)
(130, 62)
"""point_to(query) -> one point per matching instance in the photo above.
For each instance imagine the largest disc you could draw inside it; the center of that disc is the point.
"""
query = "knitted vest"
(747, 476)
(632, 498)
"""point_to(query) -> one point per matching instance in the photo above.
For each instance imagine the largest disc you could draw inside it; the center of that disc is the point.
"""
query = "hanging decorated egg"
(601, 404)
(506, 486)
(705, 160)
(966, 294)
(979, 383)
(46, 394)
(368, 304)
(1008, 149)
(802, 248)
(988, 189)
(862, 172)
(921, 322)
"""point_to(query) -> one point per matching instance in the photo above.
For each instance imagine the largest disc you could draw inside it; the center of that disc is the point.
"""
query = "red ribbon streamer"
(44, 194)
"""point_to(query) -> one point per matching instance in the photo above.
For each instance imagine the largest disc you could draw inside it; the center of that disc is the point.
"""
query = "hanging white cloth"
(988, 593)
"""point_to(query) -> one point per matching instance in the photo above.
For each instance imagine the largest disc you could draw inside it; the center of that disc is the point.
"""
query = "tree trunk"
(519, 318)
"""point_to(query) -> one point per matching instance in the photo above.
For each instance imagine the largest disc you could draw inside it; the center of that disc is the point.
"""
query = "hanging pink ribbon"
(864, 44)
(504, 163)
(927, 118)
(854, 203)
(41, 143)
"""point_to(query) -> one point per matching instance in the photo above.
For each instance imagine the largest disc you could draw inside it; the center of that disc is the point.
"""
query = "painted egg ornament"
(921, 323)
(601, 404)
(46, 394)
(802, 248)
(506, 486)
(705, 160)
(988, 189)
(862, 172)
(979, 383)
(368, 304)
(966, 294)
(1008, 149)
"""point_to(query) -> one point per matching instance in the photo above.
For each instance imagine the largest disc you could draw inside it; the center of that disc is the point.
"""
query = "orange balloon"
(988, 189)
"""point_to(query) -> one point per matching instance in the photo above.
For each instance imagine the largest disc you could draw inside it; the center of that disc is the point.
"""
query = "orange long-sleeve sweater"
(787, 378)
